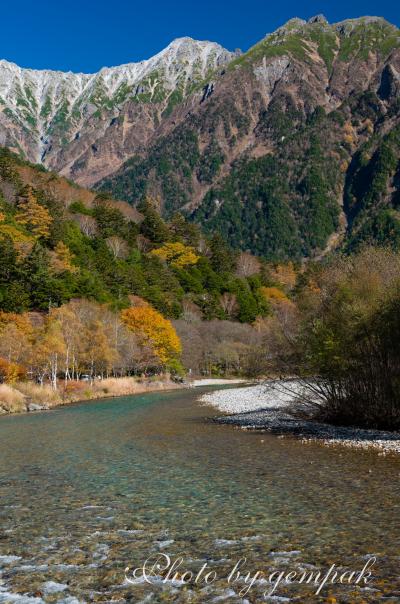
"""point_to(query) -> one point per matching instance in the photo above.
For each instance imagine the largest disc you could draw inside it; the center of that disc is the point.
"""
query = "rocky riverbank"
(269, 408)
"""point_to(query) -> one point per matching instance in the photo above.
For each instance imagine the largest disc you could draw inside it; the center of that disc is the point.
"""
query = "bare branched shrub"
(349, 346)
(219, 347)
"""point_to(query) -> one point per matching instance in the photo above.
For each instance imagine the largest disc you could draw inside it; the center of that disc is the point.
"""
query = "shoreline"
(267, 408)
(92, 393)
(103, 390)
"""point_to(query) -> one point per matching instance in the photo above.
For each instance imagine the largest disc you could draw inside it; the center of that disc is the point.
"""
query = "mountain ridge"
(43, 112)
(174, 42)
(263, 146)
(41, 101)
(268, 159)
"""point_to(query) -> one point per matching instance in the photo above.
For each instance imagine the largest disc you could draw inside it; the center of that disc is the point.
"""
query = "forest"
(56, 246)
(89, 286)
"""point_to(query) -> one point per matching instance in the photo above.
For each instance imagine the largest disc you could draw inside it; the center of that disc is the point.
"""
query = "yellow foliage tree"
(99, 353)
(61, 259)
(154, 330)
(21, 321)
(176, 254)
(22, 243)
(273, 293)
(48, 351)
(349, 133)
(34, 216)
(15, 337)
(284, 274)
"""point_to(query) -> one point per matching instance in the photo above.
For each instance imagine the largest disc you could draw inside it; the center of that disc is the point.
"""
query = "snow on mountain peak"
(42, 101)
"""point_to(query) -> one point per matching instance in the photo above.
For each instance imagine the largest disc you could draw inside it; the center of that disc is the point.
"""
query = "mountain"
(288, 150)
(83, 125)
(274, 158)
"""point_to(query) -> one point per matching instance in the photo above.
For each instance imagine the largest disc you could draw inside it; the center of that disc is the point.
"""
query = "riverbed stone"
(36, 407)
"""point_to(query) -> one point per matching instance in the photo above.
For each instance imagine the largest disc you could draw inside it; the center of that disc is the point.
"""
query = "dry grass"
(128, 385)
(116, 386)
(11, 400)
(41, 395)
(14, 399)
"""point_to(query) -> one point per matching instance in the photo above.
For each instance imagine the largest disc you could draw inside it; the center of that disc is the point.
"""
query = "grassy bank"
(28, 396)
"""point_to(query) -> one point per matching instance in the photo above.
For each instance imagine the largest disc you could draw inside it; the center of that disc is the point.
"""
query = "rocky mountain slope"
(270, 158)
(69, 121)
(287, 150)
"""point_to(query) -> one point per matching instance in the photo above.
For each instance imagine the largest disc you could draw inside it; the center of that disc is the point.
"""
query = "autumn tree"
(155, 331)
(87, 224)
(33, 215)
(132, 358)
(10, 372)
(177, 254)
(73, 334)
(15, 337)
(99, 352)
(284, 274)
(273, 293)
(61, 259)
(14, 343)
(219, 347)
(349, 339)
(229, 304)
(21, 242)
(22, 321)
(48, 350)
(94, 350)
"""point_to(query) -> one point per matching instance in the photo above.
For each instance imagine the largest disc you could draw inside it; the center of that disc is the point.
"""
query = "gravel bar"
(268, 408)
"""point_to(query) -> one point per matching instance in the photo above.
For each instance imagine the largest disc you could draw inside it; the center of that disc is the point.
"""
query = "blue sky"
(84, 35)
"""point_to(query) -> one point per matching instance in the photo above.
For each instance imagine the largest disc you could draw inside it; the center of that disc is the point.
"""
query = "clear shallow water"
(88, 490)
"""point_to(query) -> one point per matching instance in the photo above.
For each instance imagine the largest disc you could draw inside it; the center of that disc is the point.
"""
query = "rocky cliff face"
(86, 125)
(276, 148)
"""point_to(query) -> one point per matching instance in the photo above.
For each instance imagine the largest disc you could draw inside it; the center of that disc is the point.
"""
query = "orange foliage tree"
(48, 351)
(20, 320)
(10, 372)
(15, 337)
(155, 331)
(273, 293)
(284, 274)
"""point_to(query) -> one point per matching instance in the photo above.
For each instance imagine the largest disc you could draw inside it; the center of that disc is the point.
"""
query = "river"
(91, 490)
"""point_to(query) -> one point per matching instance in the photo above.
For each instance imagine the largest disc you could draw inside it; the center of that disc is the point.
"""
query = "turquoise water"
(89, 490)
